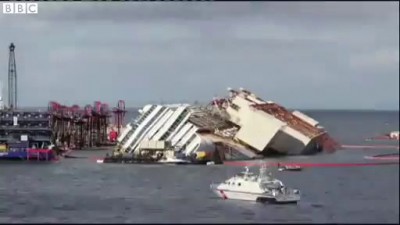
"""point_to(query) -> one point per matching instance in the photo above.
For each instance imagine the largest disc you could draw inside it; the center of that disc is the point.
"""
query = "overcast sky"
(300, 54)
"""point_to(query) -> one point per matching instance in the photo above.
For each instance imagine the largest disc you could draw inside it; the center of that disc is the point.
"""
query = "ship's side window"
(239, 184)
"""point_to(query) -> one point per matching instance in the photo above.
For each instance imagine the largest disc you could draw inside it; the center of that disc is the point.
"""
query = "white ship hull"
(236, 195)
(255, 197)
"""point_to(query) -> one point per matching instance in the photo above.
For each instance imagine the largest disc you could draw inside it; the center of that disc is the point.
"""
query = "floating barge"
(25, 135)
(242, 124)
(23, 150)
(43, 134)
(28, 154)
(153, 152)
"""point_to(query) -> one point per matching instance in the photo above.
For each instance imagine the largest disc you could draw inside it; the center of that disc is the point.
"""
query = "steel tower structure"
(12, 79)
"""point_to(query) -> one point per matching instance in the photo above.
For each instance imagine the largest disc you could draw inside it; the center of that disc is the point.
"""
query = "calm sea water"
(79, 190)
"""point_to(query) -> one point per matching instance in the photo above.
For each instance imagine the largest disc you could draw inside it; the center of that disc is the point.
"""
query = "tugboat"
(261, 188)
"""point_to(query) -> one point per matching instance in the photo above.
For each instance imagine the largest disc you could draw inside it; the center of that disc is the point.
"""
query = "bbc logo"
(20, 8)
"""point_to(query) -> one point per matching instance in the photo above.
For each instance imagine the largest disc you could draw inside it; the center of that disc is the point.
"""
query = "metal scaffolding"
(77, 128)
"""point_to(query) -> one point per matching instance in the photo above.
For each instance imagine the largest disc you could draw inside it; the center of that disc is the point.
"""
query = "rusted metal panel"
(293, 121)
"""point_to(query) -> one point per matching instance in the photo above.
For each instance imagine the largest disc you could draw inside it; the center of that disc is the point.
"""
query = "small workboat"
(251, 187)
(289, 168)
(176, 161)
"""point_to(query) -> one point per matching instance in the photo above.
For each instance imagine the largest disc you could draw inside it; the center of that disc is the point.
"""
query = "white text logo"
(20, 8)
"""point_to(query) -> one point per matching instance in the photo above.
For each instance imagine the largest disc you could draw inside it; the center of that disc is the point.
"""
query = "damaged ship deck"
(241, 123)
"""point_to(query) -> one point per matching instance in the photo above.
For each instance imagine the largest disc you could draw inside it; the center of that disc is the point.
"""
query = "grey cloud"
(302, 54)
(139, 11)
(143, 11)
(379, 59)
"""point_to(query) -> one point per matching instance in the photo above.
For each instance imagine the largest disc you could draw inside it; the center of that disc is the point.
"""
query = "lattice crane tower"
(12, 79)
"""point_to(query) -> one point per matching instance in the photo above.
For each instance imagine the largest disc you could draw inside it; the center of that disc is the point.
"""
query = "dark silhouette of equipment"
(12, 79)
(119, 115)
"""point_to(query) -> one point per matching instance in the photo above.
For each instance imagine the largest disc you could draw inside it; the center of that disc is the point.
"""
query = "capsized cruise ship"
(241, 123)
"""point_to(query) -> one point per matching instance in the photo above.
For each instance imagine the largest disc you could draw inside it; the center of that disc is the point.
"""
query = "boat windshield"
(243, 174)
(246, 176)
(274, 184)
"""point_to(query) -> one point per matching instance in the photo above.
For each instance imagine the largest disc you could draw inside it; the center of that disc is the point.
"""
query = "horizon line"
(289, 108)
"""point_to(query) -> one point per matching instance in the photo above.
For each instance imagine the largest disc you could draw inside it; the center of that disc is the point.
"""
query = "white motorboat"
(170, 160)
(289, 167)
(251, 187)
